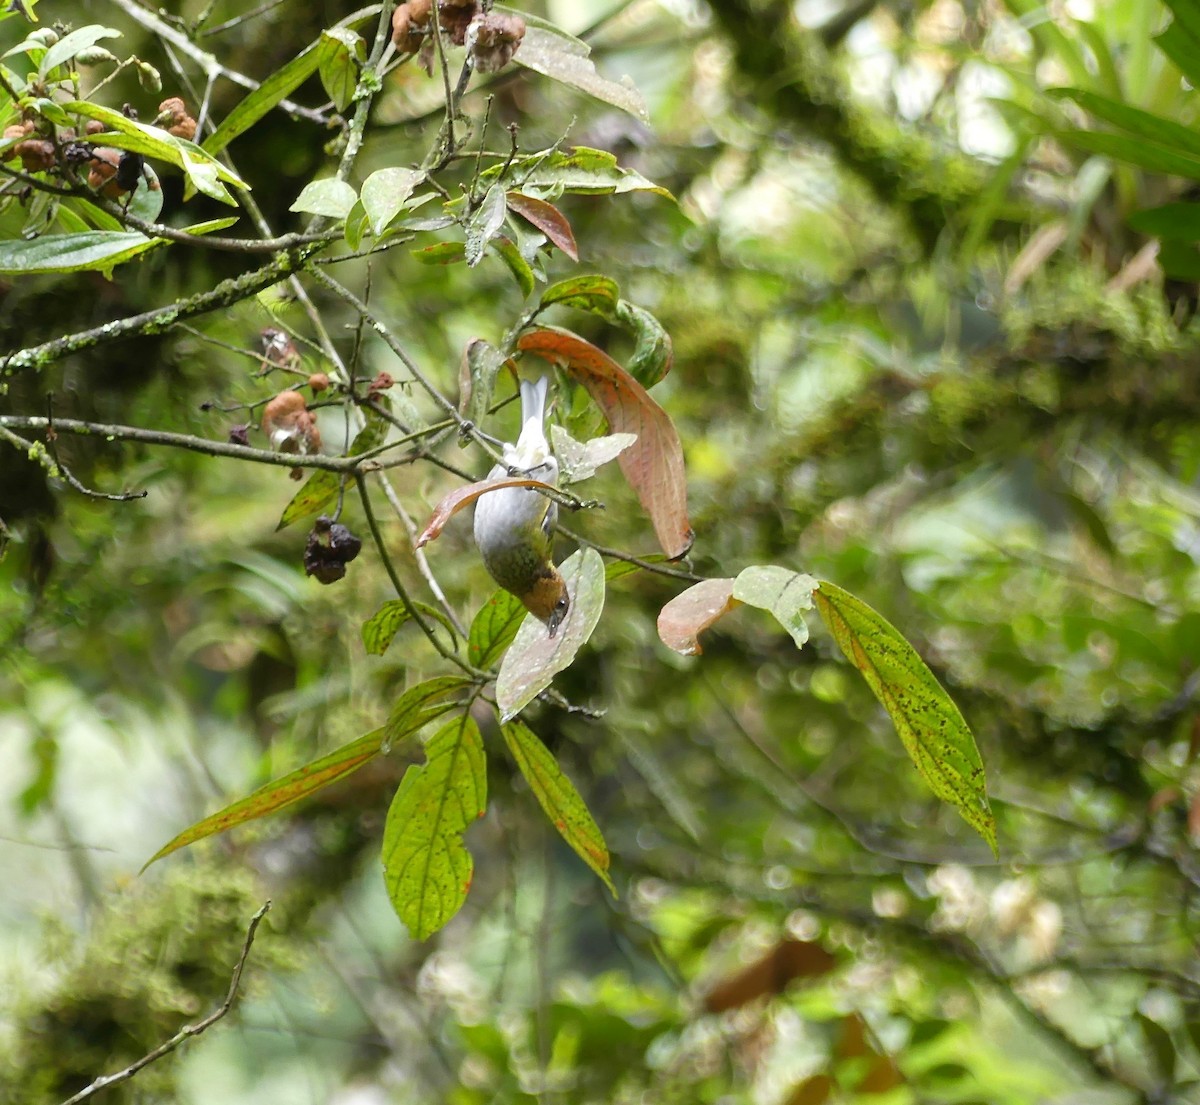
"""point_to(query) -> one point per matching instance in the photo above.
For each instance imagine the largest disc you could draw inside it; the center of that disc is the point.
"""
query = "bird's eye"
(561, 604)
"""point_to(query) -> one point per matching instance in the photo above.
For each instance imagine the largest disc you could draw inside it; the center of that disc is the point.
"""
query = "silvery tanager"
(514, 527)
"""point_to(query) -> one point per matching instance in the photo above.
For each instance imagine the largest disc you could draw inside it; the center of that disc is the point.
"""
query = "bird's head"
(547, 598)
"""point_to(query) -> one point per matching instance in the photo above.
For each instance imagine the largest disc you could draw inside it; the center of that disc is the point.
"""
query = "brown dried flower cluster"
(491, 38)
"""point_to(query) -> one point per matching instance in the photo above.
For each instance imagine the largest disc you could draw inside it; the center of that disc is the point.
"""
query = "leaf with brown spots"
(426, 867)
(463, 496)
(556, 794)
(653, 465)
(281, 792)
(932, 729)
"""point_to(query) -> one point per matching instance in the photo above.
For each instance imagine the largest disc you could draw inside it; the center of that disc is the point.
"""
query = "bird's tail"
(532, 441)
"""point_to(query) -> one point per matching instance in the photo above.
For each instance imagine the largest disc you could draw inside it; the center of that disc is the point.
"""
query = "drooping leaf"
(578, 460)
(932, 729)
(277, 87)
(484, 224)
(341, 55)
(281, 792)
(460, 497)
(419, 705)
(591, 292)
(782, 592)
(426, 867)
(653, 465)
(206, 173)
(330, 197)
(521, 270)
(580, 169)
(477, 372)
(493, 628)
(379, 630)
(384, 194)
(316, 495)
(653, 354)
(564, 58)
(557, 796)
(548, 219)
(690, 612)
(535, 658)
(1147, 155)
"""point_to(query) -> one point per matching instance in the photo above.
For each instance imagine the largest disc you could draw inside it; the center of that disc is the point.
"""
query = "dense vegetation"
(905, 292)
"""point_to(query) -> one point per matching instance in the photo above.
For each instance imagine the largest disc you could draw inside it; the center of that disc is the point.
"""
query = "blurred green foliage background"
(919, 351)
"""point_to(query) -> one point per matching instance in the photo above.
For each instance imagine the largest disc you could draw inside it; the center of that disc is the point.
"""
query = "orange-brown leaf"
(653, 465)
(692, 611)
(548, 219)
(772, 974)
(463, 496)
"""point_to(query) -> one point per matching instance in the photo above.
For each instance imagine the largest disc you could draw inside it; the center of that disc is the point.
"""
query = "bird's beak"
(554, 621)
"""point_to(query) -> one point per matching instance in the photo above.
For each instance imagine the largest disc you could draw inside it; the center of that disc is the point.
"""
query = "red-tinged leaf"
(556, 794)
(465, 496)
(653, 465)
(426, 867)
(281, 792)
(535, 658)
(548, 219)
(688, 614)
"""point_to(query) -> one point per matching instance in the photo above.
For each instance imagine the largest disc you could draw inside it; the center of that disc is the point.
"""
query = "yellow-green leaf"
(426, 867)
(282, 792)
(556, 794)
(316, 493)
(382, 626)
(493, 629)
(418, 705)
(782, 592)
(933, 731)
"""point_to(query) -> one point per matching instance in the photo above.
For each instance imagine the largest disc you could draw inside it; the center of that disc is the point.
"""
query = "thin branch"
(225, 294)
(238, 20)
(185, 1033)
(629, 558)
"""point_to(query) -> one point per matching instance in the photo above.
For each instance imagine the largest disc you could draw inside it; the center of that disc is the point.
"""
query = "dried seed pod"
(494, 38)
(36, 154)
(410, 25)
(319, 382)
(381, 383)
(173, 114)
(330, 547)
(94, 126)
(456, 18)
(102, 173)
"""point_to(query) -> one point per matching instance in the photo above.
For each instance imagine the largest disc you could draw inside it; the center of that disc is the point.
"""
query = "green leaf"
(618, 569)
(578, 460)
(580, 170)
(70, 45)
(341, 53)
(485, 223)
(653, 354)
(481, 363)
(1179, 221)
(781, 592)
(379, 630)
(535, 657)
(1181, 43)
(317, 493)
(564, 58)
(441, 253)
(19, 7)
(493, 628)
(426, 868)
(278, 86)
(591, 292)
(127, 134)
(418, 705)
(517, 265)
(147, 199)
(384, 194)
(89, 251)
(557, 796)
(281, 792)
(330, 197)
(930, 725)
(1135, 151)
(1138, 123)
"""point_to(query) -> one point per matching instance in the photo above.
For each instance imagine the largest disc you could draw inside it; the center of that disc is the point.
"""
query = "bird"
(514, 526)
